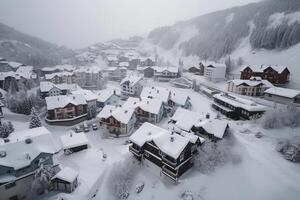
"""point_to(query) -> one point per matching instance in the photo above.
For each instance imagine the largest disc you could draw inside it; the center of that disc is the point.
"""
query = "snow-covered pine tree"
(6, 129)
(42, 178)
(35, 119)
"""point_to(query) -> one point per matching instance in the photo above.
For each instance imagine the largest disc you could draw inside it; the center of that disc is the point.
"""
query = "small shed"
(66, 180)
(74, 142)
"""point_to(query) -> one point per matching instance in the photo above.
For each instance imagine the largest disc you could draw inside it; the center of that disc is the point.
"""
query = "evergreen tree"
(34, 120)
(6, 129)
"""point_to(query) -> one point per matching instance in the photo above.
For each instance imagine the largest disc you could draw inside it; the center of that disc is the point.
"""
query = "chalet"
(107, 97)
(178, 99)
(147, 61)
(253, 87)
(47, 70)
(7, 66)
(66, 180)
(61, 77)
(66, 109)
(74, 142)
(116, 120)
(171, 152)
(194, 70)
(20, 156)
(146, 109)
(131, 86)
(215, 72)
(275, 74)
(237, 108)
(48, 89)
(166, 73)
(181, 83)
(89, 77)
(283, 95)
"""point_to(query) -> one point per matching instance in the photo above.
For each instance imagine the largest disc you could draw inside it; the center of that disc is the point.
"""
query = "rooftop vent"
(28, 141)
(2, 154)
(126, 111)
(172, 138)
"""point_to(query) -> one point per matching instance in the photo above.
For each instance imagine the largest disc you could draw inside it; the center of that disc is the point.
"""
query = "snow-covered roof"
(119, 113)
(61, 101)
(46, 86)
(283, 92)
(104, 95)
(112, 58)
(66, 174)
(88, 94)
(23, 71)
(162, 138)
(89, 69)
(214, 126)
(251, 82)
(72, 139)
(160, 93)
(182, 81)
(186, 119)
(124, 64)
(169, 69)
(179, 98)
(131, 79)
(59, 74)
(261, 68)
(149, 105)
(20, 154)
(15, 64)
(240, 102)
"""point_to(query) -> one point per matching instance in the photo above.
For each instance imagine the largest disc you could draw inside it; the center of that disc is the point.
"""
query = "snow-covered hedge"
(290, 149)
(281, 117)
(120, 178)
(215, 154)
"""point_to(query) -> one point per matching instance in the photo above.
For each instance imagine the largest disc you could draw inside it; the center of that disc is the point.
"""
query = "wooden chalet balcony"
(169, 162)
(169, 173)
(135, 151)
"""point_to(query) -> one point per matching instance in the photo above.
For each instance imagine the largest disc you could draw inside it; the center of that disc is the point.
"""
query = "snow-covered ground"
(262, 173)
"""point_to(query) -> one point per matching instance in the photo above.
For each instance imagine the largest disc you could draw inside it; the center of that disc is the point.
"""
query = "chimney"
(157, 91)
(114, 92)
(172, 139)
(207, 116)
(110, 111)
(126, 111)
(147, 102)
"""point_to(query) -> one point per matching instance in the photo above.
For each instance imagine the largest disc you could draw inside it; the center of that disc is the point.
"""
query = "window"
(146, 154)
(181, 157)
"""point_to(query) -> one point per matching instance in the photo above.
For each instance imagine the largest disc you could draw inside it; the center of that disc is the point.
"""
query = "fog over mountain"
(272, 24)
(79, 23)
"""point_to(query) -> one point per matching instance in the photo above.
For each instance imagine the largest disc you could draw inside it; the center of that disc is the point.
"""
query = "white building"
(282, 95)
(215, 72)
(131, 86)
(252, 87)
(166, 73)
(89, 77)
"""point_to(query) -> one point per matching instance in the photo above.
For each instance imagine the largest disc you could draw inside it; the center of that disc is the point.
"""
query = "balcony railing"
(169, 173)
(169, 162)
(134, 151)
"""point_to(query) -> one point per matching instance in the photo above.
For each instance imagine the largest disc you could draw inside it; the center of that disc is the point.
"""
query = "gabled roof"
(104, 95)
(215, 127)
(132, 80)
(59, 74)
(46, 86)
(162, 138)
(88, 94)
(186, 119)
(179, 98)
(169, 69)
(160, 93)
(66, 174)
(252, 83)
(146, 104)
(121, 114)
(283, 92)
(72, 139)
(19, 154)
(61, 101)
(262, 68)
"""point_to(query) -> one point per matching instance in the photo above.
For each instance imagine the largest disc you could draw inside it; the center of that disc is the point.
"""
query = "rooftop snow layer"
(186, 119)
(72, 139)
(61, 101)
(160, 93)
(66, 174)
(283, 92)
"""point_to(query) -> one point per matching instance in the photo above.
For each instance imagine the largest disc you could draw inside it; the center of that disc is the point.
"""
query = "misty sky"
(79, 23)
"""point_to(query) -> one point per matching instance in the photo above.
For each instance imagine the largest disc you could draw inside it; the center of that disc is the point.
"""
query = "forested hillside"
(271, 24)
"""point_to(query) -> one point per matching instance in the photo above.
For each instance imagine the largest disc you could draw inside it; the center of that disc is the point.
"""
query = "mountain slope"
(271, 25)
(23, 48)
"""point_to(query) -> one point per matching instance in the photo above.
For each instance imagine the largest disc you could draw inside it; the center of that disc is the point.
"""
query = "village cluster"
(121, 100)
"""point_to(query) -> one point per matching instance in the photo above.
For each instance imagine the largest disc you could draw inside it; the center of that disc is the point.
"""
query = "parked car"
(94, 126)
(78, 129)
(86, 127)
